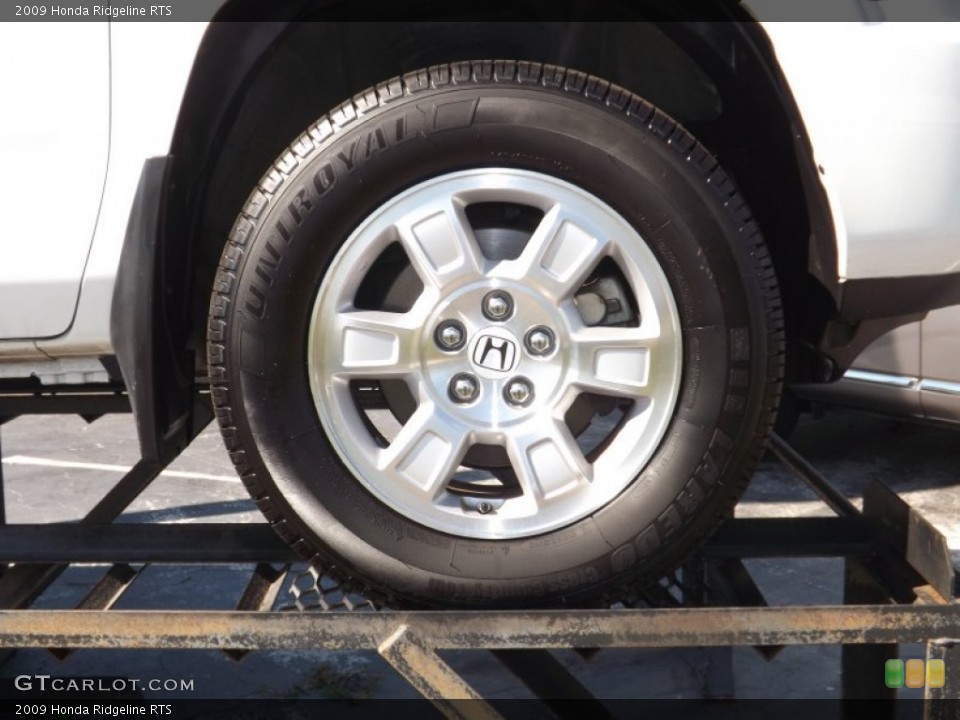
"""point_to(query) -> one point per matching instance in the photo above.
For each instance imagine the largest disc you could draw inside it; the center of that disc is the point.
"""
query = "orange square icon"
(936, 674)
(914, 673)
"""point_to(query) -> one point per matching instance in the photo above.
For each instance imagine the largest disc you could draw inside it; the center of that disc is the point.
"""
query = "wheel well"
(256, 86)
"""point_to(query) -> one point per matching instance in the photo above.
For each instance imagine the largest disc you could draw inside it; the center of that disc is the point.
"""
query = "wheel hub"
(495, 355)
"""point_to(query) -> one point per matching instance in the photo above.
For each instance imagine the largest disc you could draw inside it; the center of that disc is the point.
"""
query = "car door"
(54, 140)
(883, 378)
(940, 386)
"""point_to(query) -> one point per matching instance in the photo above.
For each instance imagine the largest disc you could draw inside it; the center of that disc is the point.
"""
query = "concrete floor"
(57, 467)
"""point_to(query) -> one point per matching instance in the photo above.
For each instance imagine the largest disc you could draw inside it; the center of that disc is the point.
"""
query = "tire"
(410, 457)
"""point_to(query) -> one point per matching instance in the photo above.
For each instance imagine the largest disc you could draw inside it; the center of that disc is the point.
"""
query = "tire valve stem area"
(483, 506)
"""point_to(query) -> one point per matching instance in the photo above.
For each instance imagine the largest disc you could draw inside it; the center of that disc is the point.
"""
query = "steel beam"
(260, 595)
(837, 501)
(223, 542)
(135, 543)
(942, 702)
(433, 678)
(675, 627)
(102, 596)
(64, 401)
(861, 664)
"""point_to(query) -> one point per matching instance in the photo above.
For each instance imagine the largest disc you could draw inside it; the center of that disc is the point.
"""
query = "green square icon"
(893, 672)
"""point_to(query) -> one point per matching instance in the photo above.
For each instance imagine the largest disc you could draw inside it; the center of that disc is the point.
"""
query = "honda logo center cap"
(495, 353)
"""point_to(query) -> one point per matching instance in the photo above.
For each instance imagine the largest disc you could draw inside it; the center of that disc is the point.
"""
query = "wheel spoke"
(558, 258)
(548, 463)
(373, 344)
(426, 452)
(441, 246)
(615, 361)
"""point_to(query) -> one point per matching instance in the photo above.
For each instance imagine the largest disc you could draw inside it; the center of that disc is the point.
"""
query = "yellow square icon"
(936, 674)
(914, 673)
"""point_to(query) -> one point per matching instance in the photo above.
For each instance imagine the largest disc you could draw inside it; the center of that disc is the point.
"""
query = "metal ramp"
(899, 587)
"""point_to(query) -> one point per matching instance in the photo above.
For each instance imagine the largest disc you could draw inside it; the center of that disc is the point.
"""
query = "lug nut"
(539, 341)
(464, 388)
(450, 335)
(519, 392)
(497, 305)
